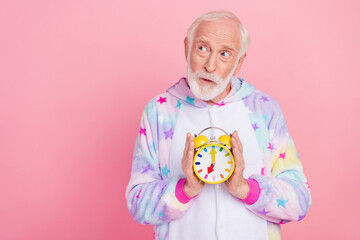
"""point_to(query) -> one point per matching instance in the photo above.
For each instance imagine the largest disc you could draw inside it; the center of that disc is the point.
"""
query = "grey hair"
(216, 16)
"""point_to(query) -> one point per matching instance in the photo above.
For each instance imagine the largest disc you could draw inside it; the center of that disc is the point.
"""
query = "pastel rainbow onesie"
(279, 192)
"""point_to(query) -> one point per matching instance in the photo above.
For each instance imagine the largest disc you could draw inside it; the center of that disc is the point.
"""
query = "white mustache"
(210, 76)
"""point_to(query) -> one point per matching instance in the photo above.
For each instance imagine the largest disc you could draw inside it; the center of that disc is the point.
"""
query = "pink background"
(75, 77)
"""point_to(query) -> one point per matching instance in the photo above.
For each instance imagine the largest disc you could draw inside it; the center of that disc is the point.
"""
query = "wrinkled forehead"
(223, 31)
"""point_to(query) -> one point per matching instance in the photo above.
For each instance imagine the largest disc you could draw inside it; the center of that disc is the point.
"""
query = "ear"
(241, 60)
(186, 46)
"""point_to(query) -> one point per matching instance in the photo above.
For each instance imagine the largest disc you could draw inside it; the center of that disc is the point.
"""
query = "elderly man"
(268, 186)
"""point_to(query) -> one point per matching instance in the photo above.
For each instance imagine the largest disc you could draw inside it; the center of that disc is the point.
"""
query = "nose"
(210, 65)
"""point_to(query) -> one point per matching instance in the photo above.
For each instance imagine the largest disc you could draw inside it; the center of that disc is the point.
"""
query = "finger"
(234, 146)
(191, 148)
(186, 143)
(238, 158)
(240, 149)
(237, 147)
(233, 141)
(237, 155)
(191, 139)
(184, 161)
(237, 139)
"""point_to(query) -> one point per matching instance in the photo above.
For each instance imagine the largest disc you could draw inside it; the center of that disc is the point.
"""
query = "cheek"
(197, 63)
(225, 69)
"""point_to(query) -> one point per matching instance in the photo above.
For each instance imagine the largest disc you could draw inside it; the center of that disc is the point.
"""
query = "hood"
(240, 89)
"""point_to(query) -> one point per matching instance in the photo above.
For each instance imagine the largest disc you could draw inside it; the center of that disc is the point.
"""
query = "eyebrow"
(202, 39)
(205, 40)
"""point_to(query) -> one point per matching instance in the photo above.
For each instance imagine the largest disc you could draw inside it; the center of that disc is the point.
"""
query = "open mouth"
(206, 80)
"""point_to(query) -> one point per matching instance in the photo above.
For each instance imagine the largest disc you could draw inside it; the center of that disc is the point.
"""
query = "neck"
(221, 96)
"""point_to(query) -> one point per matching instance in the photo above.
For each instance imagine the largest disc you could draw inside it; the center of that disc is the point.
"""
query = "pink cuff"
(180, 193)
(254, 192)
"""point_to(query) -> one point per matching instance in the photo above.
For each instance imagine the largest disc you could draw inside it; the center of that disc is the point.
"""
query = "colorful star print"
(220, 104)
(282, 155)
(271, 147)
(265, 99)
(142, 131)
(292, 184)
(264, 212)
(281, 202)
(165, 171)
(178, 104)
(283, 221)
(138, 196)
(190, 100)
(255, 126)
(265, 117)
(153, 147)
(301, 217)
(147, 168)
(161, 100)
(169, 134)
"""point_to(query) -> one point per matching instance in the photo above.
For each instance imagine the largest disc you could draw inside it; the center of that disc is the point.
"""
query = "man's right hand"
(192, 185)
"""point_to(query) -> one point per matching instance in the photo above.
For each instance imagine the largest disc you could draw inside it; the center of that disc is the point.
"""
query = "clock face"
(213, 163)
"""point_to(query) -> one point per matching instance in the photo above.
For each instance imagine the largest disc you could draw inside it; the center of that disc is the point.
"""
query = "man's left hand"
(237, 184)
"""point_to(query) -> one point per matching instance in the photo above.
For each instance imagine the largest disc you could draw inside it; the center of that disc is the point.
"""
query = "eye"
(202, 48)
(225, 54)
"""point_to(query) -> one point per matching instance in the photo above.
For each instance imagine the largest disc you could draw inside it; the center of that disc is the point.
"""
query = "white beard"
(207, 90)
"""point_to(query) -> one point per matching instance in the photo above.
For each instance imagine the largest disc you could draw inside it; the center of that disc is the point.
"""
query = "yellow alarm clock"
(213, 160)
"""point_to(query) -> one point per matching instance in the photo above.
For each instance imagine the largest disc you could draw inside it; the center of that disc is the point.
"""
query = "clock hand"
(213, 152)
(211, 168)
